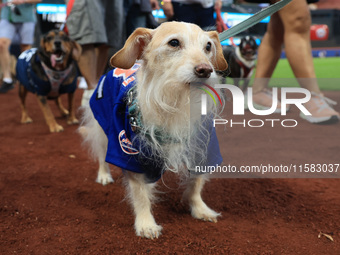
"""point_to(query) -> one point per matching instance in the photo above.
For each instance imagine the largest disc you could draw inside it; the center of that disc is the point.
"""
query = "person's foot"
(322, 112)
(263, 100)
(6, 86)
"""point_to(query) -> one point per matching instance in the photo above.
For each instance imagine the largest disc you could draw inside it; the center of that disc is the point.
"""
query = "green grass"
(327, 72)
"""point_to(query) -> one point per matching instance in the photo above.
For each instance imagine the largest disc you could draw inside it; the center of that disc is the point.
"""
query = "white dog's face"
(175, 56)
(184, 52)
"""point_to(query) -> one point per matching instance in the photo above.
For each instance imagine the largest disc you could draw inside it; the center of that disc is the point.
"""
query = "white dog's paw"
(148, 229)
(203, 212)
(104, 178)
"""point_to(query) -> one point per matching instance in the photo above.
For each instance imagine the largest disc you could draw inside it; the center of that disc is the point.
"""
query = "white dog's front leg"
(104, 174)
(192, 195)
(141, 195)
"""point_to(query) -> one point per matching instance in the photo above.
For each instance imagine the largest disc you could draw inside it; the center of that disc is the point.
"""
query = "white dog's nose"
(203, 70)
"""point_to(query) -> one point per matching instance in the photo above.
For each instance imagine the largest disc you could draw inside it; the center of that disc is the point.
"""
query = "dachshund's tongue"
(53, 60)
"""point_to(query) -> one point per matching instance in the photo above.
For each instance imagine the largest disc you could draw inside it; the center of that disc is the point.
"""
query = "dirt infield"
(50, 204)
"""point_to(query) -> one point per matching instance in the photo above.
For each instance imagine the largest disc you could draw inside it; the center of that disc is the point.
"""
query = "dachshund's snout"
(57, 44)
(203, 70)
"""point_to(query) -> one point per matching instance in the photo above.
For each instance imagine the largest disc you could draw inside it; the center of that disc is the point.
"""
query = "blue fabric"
(109, 106)
(32, 82)
(194, 13)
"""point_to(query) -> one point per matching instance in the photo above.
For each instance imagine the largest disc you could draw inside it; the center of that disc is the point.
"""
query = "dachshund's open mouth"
(57, 57)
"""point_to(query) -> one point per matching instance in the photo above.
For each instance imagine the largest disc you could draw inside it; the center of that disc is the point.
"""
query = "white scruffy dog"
(146, 117)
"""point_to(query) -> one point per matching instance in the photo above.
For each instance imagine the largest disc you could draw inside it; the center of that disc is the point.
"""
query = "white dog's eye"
(208, 47)
(174, 43)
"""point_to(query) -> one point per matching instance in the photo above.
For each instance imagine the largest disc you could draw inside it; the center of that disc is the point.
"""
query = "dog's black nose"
(57, 44)
(203, 70)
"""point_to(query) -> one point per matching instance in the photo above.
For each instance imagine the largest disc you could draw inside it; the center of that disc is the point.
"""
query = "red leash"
(221, 26)
(68, 11)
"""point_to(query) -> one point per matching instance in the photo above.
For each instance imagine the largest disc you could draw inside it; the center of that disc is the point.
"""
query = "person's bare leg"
(87, 65)
(269, 53)
(296, 20)
(24, 47)
(102, 59)
(5, 58)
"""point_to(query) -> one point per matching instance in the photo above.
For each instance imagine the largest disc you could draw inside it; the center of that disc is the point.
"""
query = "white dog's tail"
(93, 135)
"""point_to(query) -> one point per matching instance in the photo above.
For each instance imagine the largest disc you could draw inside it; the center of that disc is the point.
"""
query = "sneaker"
(322, 112)
(263, 100)
(6, 86)
(82, 83)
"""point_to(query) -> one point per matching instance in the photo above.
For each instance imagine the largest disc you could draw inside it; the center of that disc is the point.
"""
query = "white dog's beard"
(173, 129)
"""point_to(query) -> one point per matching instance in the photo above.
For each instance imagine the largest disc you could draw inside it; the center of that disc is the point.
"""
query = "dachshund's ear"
(76, 50)
(219, 62)
(42, 41)
(133, 49)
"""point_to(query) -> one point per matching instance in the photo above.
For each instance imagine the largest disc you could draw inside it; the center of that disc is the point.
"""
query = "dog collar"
(56, 78)
(246, 66)
(136, 119)
(248, 63)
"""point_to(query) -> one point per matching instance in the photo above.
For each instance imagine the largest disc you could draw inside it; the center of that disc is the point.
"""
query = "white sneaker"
(82, 83)
(263, 100)
(322, 112)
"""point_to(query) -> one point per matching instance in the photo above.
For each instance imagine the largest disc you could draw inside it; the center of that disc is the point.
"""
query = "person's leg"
(86, 26)
(5, 57)
(26, 32)
(102, 60)
(269, 53)
(7, 32)
(87, 65)
(24, 47)
(296, 20)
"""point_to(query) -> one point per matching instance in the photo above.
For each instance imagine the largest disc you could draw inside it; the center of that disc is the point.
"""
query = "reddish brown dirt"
(50, 204)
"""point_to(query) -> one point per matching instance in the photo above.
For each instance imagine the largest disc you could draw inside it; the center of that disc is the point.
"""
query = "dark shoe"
(5, 86)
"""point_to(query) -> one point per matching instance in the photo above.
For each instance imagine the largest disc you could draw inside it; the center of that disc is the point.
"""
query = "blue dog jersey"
(32, 82)
(109, 106)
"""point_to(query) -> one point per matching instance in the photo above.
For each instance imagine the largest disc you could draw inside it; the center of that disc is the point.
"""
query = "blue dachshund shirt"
(35, 84)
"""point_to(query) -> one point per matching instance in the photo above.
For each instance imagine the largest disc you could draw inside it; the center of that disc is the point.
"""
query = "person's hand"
(218, 5)
(18, 2)
(168, 9)
(154, 4)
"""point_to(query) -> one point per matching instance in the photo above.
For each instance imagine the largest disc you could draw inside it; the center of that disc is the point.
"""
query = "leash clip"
(134, 124)
(130, 97)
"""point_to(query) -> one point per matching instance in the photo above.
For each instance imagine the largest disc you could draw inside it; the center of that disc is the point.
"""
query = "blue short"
(24, 30)
(194, 13)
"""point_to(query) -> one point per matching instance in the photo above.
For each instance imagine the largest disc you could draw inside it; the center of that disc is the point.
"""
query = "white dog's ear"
(133, 49)
(219, 62)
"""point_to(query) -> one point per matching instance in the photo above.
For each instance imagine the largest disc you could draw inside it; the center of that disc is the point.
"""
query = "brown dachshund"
(48, 72)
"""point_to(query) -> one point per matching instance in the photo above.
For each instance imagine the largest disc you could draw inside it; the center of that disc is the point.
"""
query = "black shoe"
(6, 86)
